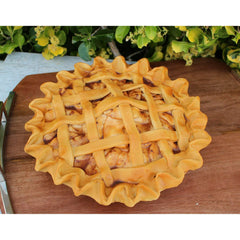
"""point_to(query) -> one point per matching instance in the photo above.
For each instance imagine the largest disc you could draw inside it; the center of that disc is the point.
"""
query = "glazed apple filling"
(110, 123)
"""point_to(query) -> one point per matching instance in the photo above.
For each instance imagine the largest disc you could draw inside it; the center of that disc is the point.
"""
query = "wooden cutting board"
(215, 188)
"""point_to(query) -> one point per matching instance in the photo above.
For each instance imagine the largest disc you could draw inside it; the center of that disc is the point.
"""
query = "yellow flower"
(109, 51)
(91, 52)
(194, 51)
(188, 58)
(129, 37)
(103, 53)
(141, 30)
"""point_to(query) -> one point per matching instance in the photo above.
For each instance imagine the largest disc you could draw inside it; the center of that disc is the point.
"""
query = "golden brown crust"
(117, 132)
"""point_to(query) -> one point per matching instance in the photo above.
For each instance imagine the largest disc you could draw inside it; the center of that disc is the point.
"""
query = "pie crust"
(117, 132)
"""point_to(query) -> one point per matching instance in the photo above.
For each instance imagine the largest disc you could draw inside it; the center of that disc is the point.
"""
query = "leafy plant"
(51, 40)
(92, 41)
(133, 42)
(10, 39)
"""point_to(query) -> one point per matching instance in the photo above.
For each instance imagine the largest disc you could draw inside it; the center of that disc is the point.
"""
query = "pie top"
(117, 132)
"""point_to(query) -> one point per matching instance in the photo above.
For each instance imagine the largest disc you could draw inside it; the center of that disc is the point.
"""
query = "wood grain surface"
(214, 188)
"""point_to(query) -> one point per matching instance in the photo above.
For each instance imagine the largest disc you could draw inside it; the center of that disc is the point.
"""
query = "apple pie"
(117, 132)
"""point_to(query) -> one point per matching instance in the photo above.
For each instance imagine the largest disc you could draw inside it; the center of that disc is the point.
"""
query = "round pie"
(117, 132)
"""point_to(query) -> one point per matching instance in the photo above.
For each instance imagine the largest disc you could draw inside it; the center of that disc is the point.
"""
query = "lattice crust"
(117, 132)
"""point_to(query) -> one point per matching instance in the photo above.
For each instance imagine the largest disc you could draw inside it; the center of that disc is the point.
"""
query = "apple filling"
(110, 123)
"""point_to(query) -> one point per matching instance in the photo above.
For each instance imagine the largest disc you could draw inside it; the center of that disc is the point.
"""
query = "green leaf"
(2, 49)
(142, 41)
(32, 35)
(5, 31)
(178, 46)
(158, 39)
(7, 48)
(221, 33)
(194, 34)
(75, 39)
(61, 36)
(233, 55)
(94, 44)
(65, 29)
(207, 44)
(19, 40)
(49, 32)
(86, 30)
(173, 33)
(83, 52)
(17, 28)
(224, 54)
(236, 38)
(105, 35)
(157, 55)
(230, 30)
(121, 33)
(151, 32)
(215, 29)
(10, 29)
(38, 48)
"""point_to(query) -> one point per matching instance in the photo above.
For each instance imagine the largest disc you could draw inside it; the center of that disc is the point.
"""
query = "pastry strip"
(118, 140)
(93, 136)
(65, 150)
(135, 148)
